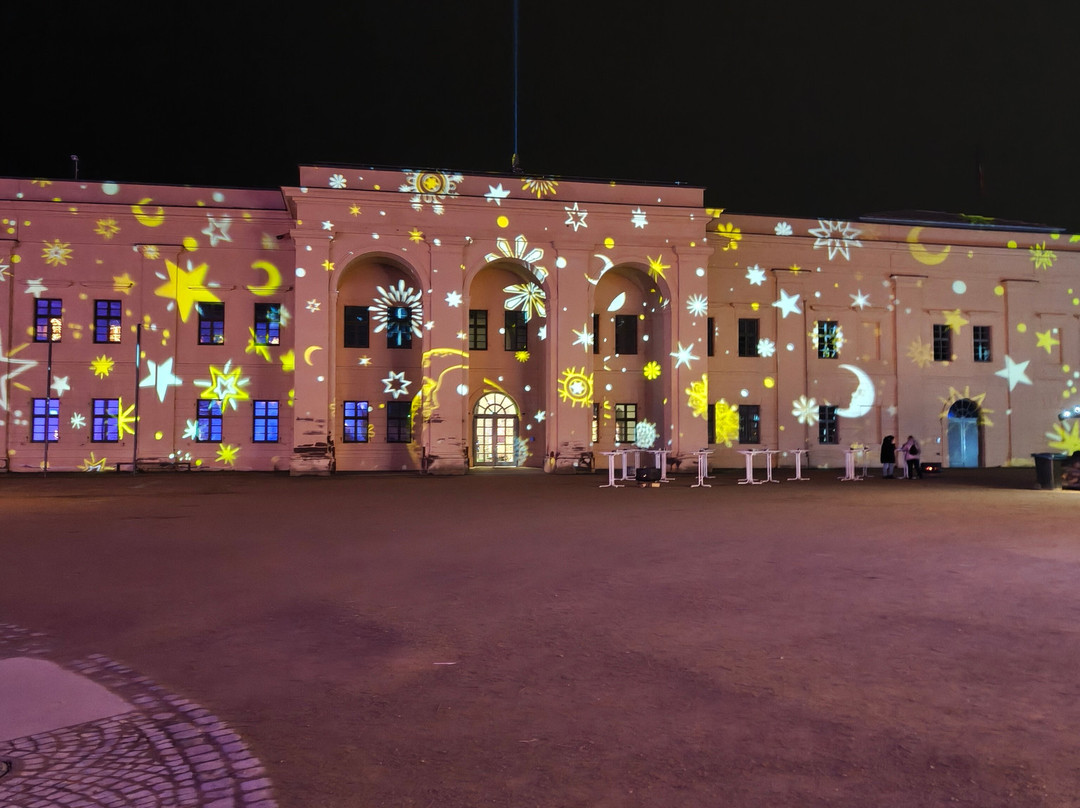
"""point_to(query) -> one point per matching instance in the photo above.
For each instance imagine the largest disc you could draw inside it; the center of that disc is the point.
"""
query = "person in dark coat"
(888, 458)
(913, 454)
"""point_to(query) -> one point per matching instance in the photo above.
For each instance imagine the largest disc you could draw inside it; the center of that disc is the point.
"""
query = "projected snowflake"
(576, 387)
(56, 253)
(836, 237)
(651, 371)
(430, 188)
(387, 308)
(526, 297)
(766, 347)
(106, 228)
(727, 422)
(645, 434)
(697, 397)
(521, 251)
(921, 353)
(756, 275)
(1041, 257)
(697, 305)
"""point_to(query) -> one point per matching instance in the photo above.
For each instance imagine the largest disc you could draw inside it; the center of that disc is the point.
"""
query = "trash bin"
(1048, 469)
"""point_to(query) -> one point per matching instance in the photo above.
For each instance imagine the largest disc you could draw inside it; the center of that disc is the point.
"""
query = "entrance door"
(963, 434)
(495, 425)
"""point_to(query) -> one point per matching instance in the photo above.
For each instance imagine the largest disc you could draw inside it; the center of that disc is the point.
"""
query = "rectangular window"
(515, 332)
(107, 321)
(104, 428)
(749, 423)
(208, 421)
(398, 422)
(595, 422)
(828, 339)
(827, 431)
(356, 327)
(45, 420)
(626, 334)
(399, 327)
(264, 426)
(267, 324)
(211, 323)
(625, 423)
(355, 428)
(748, 336)
(48, 320)
(477, 329)
(942, 342)
(980, 338)
(596, 334)
(710, 336)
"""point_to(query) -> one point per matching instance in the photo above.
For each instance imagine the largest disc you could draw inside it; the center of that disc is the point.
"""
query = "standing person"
(888, 458)
(912, 454)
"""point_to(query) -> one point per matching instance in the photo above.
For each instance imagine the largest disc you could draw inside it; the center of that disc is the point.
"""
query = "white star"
(78, 420)
(23, 366)
(496, 194)
(160, 377)
(313, 305)
(540, 414)
(584, 338)
(788, 304)
(60, 385)
(364, 361)
(461, 335)
(217, 229)
(191, 431)
(396, 384)
(35, 287)
(575, 217)
(541, 332)
(328, 225)
(3, 271)
(1014, 372)
(698, 305)
(756, 275)
(860, 300)
(453, 299)
(637, 218)
(430, 324)
(284, 316)
(683, 356)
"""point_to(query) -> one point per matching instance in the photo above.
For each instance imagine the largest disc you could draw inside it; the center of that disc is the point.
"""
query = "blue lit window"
(45, 420)
(265, 421)
(107, 321)
(267, 324)
(104, 427)
(208, 421)
(356, 422)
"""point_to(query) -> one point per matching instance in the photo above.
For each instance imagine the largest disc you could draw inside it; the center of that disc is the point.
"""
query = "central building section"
(447, 321)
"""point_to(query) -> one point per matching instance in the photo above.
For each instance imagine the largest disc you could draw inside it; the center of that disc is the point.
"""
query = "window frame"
(747, 341)
(266, 420)
(46, 421)
(108, 324)
(981, 344)
(211, 323)
(399, 422)
(749, 423)
(356, 327)
(478, 329)
(828, 425)
(104, 426)
(515, 330)
(267, 325)
(208, 420)
(626, 422)
(48, 319)
(626, 336)
(942, 342)
(355, 421)
(399, 335)
(827, 331)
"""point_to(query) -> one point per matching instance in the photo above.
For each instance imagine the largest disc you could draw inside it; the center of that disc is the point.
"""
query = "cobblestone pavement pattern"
(166, 751)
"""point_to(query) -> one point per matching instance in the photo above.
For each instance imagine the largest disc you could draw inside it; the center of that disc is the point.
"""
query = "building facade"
(426, 320)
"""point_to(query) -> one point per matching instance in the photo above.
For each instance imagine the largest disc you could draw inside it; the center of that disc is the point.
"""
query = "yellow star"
(186, 287)
(102, 366)
(416, 236)
(123, 283)
(1046, 340)
(955, 320)
(656, 268)
(354, 209)
(795, 269)
(225, 386)
(288, 361)
(328, 265)
(256, 347)
(124, 419)
(227, 453)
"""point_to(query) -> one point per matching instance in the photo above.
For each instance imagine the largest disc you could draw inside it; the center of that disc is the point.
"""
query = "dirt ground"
(521, 639)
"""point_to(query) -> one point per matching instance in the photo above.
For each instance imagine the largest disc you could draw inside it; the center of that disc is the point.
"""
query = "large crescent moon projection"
(146, 219)
(862, 400)
(309, 351)
(607, 265)
(920, 253)
(273, 279)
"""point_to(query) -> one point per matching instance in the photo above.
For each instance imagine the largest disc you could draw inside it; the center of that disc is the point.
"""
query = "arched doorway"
(962, 431)
(495, 429)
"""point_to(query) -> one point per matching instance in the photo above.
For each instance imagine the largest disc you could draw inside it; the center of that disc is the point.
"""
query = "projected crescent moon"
(309, 351)
(146, 219)
(607, 265)
(862, 400)
(273, 279)
(920, 253)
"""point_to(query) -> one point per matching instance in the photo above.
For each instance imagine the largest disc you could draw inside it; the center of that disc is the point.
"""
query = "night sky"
(817, 109)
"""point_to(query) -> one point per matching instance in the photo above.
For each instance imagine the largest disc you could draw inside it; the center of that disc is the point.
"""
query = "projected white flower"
(836, 237)
(384, 312)
(528, 297)
(521, 251)
(697, 305)
(766, 347)
(805, 410)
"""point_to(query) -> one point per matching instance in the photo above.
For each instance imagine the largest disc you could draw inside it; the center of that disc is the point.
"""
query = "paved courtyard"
(521, 639)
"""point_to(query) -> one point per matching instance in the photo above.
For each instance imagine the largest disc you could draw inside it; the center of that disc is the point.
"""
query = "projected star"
(859, 300)
(185, 288)
(125, 418)
(683, 356)
(327, 225)
(1046, 340)
(788, 304)
(225, 385)
(756, 275)
(836, 237)
(102, 366)
(638, 218)
(78, 420)
(217, 229)
(955, 320)
(60, 385)
(160, 377)
(697, 305)
(36, 287)
(396, 384)
(288, 361)
(3, 272)
(191, 430)
(453, 299)
(496, 194)
(227, 453)
(93, 463)
(56, 253)
(657, 267)
(16, 367)
(1013, 372)
(575, 217)
(123, 283)
(583, 337)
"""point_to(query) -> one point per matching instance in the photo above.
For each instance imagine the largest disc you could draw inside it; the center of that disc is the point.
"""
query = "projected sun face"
(576, 387)
(430, 188)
